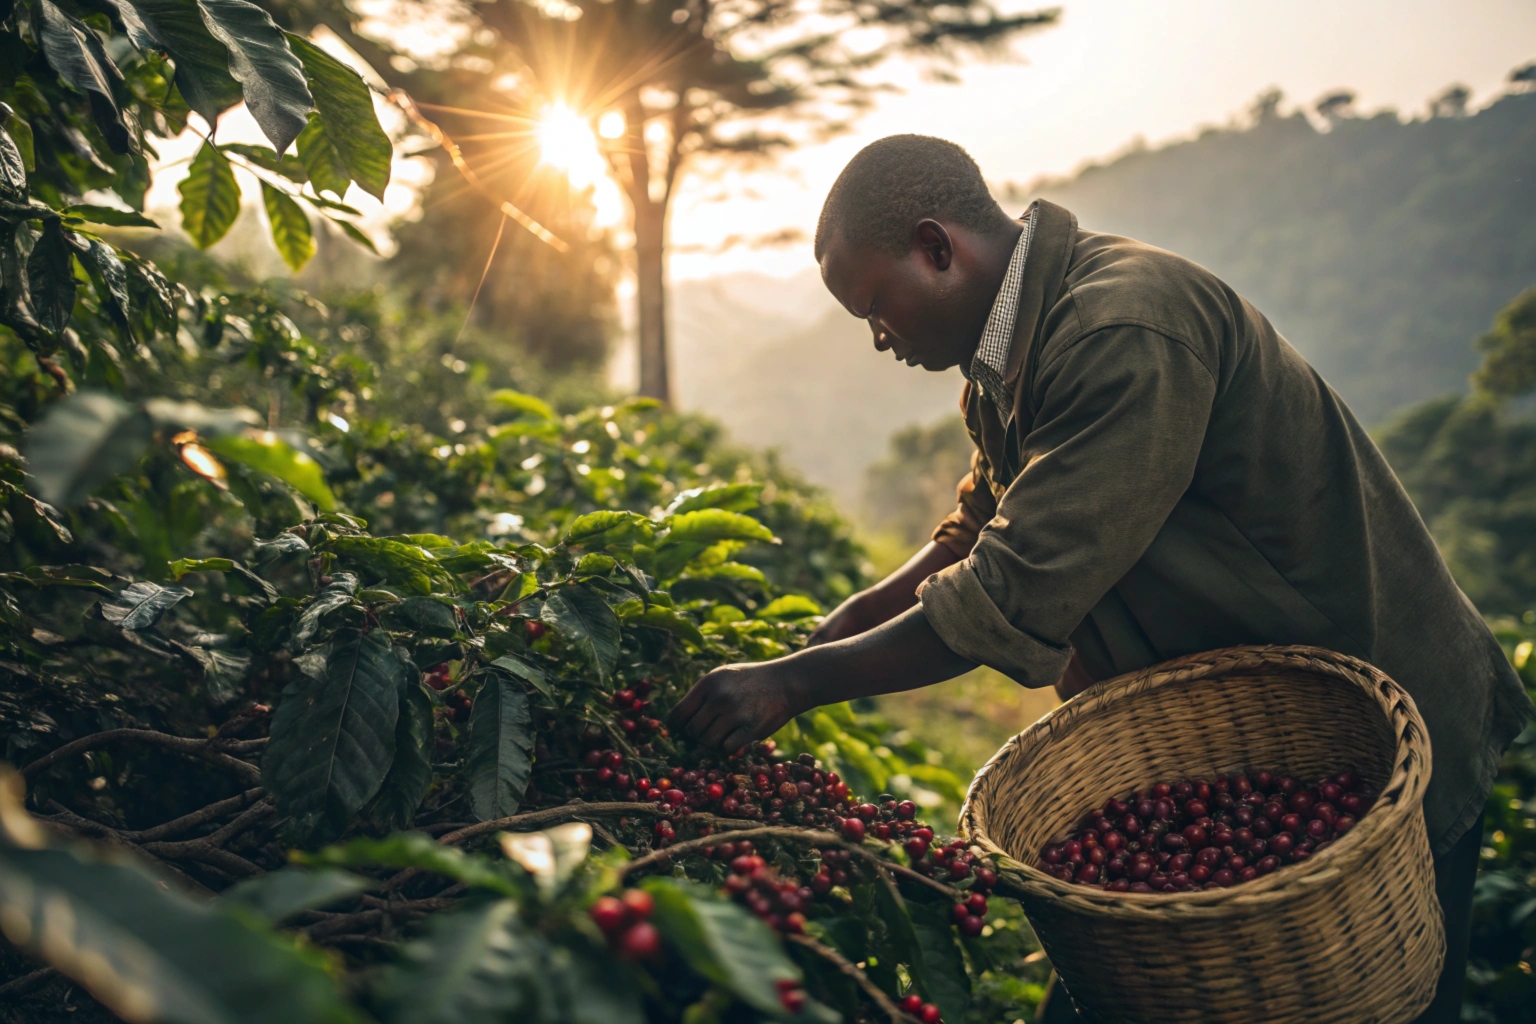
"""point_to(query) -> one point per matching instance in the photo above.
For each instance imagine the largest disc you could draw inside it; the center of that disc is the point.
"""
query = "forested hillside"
(1376, 247)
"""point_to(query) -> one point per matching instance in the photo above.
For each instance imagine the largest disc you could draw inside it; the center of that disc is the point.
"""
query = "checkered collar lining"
(990, 363)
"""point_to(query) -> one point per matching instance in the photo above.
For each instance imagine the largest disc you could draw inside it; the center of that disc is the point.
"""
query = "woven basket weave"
(1353, 935)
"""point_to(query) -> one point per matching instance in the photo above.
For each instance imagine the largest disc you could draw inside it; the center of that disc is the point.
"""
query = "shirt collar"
(990, 363)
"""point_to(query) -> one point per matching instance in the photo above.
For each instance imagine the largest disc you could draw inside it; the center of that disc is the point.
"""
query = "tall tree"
(669, 81)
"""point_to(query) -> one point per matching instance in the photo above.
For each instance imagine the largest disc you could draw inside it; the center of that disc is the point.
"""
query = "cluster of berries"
(631, 702)
(440, 677)
(780, 902)
(626, 922)
(926, 1012)
(1196, 835)
(953, 861)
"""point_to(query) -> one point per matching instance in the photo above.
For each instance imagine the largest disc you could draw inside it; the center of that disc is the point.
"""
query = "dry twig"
(875, 992)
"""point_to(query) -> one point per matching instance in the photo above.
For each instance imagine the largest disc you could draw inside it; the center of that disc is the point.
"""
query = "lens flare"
(566, 143)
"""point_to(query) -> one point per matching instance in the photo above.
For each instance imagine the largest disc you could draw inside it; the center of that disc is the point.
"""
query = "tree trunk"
(651, 298)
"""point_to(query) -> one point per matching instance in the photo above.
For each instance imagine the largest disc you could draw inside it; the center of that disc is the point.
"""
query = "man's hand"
(736, 704)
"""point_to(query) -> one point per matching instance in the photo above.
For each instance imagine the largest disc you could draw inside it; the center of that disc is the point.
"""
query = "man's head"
(911, 240)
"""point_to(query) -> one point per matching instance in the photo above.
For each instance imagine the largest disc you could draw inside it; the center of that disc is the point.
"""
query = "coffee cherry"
(792, 999)
(977, 904)
(929, 1014)
(912, 1002)
(1291, 823)
(1317, 828)
(608, 913)
(868, 811)
(959, 912)
(640, 942)
(971, 927)
(533, 629)
(1343, 824)
(853, 830)
(906, 810)
(1282, 844)
(639, 903)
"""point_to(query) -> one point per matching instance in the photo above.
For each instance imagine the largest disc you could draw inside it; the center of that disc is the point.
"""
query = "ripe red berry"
(640, 942)
(971, 927)
(912, 1002)
(1343, 824)
(623, 699)
(916, 846)
(853, 830)
(976, 903)
(959, 912)
(533, 629)
(793, 999)
(929, 1014)
(639, 903)
(608, 913)
(605, 775)
(715, 791)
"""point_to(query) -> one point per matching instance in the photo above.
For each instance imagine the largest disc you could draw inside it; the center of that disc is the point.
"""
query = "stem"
(208, 749)
(875, 992)
(27, 982)
(196, 818)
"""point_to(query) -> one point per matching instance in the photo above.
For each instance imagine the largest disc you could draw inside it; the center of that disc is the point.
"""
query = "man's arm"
(886, 599)
(736, 704)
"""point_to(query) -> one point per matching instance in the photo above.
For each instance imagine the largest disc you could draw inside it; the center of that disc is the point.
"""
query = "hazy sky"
(1113, 70)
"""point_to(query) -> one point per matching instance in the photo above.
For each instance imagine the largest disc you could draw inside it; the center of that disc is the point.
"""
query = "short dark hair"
(896, 182)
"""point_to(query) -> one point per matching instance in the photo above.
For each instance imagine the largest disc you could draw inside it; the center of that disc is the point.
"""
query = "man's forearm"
(898, 591)
(903, 654)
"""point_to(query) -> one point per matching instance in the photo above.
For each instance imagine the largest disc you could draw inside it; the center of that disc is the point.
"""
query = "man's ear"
(935, 244)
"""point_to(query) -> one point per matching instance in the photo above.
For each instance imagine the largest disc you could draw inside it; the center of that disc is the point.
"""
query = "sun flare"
(566, 143)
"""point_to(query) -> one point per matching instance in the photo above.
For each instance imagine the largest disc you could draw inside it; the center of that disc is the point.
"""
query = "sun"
(567, 143)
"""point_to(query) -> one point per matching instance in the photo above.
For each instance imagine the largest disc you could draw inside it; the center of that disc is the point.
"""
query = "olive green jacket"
(1177, 478)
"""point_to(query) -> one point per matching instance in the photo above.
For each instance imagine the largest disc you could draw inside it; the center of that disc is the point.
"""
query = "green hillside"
(1376, 247)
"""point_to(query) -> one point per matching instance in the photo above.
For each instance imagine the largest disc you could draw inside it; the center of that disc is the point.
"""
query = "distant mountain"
(1377, 247)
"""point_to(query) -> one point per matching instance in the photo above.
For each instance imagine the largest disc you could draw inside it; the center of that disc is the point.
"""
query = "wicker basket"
(1352, 935)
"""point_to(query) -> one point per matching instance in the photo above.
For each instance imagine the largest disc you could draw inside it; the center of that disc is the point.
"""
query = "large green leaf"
(723, 942)
(13, 168)
(75, 53)
(141, 604)
(941, 975)
(528, 673)
(109, 276)
(411, 773)
(291, 232)
(668, 620)
(327, 171)
(527, 405)
(597, 529)
(210, 197)
(148, 953)
(260, 59)
(478, 966)
(202, 64)
(83, 441)
(288, 166)
(51, 278)
(87, 213)
(267, 453)
(349, 123)
(500, 758)
(706, 526)
(418, 850)
(330, 597)
(398, 561)
(731, 497)
(587, 625)
(333, 739)
(789, 607)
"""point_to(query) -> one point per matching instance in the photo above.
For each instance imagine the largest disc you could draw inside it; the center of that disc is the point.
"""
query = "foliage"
(910, 490)
(1373, 243)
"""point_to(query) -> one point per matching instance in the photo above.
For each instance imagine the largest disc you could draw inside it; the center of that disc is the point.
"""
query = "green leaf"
(51, 278)
(429, 616)
(281, 894)
(291, 232)
(333, 739)
(530, 674)
(173, 416)
(330, 597)
(81, 442)
(109, 276)
(669, 620)
(475, 966)
(182, 566)
(598, 529)
(350, 125)
(500, 758)
(356, 234)
(13, 164)
(283, 545)
(731, 497)
(141, 605)
(109, 215)
(270, 76)
(289, 167)
(587, 625)
(407, 565)
(411, 773)
(88, 577)
(417, 850)
(528, 405)
(706, 526)
(723, 942)
(941, 975)
(148, 953)
(325, 167)
(177, 27)
(76, 54)
(210, 197)
(266, 453)
(790, 606)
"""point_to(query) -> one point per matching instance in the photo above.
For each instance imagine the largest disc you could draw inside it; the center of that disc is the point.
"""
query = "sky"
(1113, 71)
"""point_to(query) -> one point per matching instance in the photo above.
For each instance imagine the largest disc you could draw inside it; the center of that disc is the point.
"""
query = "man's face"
(921, 307)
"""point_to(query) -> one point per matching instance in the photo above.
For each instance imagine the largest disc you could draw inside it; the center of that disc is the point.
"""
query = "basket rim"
(1399, 800)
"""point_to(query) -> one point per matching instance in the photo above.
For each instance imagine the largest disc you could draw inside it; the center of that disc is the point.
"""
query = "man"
(1157, 473)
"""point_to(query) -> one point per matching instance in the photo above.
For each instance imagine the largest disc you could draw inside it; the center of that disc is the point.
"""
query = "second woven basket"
(1353, 935)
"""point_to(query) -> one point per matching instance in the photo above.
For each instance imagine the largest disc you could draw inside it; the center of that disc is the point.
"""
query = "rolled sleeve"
(974, 508)
(1121, 420)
